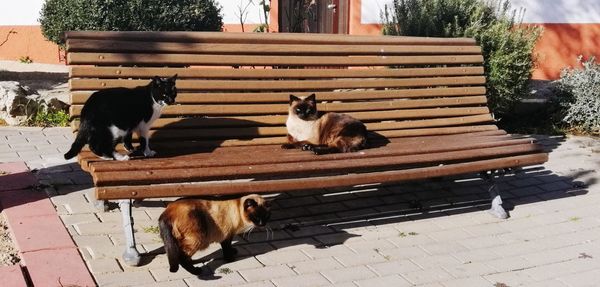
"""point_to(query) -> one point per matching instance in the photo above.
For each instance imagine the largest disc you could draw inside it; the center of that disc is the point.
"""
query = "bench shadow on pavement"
(323, 219)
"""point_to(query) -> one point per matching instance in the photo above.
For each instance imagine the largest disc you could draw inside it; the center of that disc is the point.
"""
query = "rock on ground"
(26, 88)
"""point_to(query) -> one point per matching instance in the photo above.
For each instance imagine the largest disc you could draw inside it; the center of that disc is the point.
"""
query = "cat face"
(256, 209)
(164, 90)
(304, 108)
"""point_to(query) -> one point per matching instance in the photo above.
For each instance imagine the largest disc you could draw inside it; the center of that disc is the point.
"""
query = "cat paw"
(307, 147)
(319, 151)
(120, 157)
(149, 153)
(196, 271)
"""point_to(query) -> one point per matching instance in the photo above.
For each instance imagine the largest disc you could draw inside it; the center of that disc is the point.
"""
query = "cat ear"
(174, 77)
(156, 80)
(249, 203)
(311, 98)
(293, 99)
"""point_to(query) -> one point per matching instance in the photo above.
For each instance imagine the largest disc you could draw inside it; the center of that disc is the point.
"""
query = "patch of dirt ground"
(9, 255)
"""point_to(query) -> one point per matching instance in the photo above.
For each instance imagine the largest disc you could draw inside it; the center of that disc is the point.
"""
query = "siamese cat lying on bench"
(110, 116)
(322, 133)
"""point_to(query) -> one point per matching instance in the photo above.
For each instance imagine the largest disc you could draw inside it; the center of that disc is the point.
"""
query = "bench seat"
(268, 168)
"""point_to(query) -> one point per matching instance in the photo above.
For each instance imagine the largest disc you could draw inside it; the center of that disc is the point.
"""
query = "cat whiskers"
(248, 231)
(270, 232)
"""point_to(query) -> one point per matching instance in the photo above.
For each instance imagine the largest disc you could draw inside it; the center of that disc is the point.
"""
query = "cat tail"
(80, 140)
(171, 246)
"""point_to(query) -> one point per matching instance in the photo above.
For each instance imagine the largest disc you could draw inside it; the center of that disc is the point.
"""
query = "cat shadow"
(376, 140)
(253, 245)
(196, 135)
(312, 220)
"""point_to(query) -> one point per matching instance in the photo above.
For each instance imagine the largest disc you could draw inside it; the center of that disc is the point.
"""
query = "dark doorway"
(313, 16)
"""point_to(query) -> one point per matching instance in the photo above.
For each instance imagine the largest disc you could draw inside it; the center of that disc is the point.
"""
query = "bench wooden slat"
(425, 144)
(208, 73)
(237, 157)
(264, 38)
(197, 123)
(198, 110)
(201, 134)
(241, 133)
(79, 97)
(259, 109)
(182, 147)
(491, 135)
(283, 185)
(270, 85)
(201, 145)
(108, 46)
(258, 121)
(300, 168)
(254, 60)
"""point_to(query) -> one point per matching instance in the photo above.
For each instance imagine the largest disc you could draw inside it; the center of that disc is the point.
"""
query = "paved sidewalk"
(431, 233)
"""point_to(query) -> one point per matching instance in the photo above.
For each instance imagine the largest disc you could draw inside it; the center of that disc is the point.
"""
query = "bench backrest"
(234, 87)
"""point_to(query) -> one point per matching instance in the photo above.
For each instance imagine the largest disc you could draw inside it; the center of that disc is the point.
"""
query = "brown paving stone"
(125, 279)
(363, 257)
(25, 203)
(348, 274)
(304, 280)
(390, 280)
(12, 276)
(282, 257)
(394, 267)
(62, 267)
(219, 280)
(429, 275)
(174, 283)
(105, 265)
(258, 284)
(316, 265)
(267, 272)
(18, 176)
(39, 233)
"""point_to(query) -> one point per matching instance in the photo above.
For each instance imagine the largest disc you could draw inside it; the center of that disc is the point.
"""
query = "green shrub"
(59, 16)
(46, 118)
(507, 44)
(578, 91)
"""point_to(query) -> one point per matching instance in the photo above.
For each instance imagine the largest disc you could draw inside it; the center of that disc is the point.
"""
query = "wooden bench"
(423, 99)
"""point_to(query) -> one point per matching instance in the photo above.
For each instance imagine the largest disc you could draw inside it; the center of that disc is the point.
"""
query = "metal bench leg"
(496, 210)
(131, 256)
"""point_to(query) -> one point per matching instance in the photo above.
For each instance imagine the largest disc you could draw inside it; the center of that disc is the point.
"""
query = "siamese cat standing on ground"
(110, 116)
(189, 225)
(322, 133)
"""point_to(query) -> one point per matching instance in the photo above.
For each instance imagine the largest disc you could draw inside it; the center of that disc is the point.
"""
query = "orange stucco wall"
(22, 41)
(561, 44)
(355, 26)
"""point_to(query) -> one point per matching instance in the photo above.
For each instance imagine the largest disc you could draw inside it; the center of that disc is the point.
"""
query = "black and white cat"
(111, 115)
